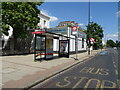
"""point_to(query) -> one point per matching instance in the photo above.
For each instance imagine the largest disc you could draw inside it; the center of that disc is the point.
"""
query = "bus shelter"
(43, 45)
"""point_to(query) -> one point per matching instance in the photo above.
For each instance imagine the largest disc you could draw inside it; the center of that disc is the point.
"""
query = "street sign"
(101, 44)
(92, 40)
(74, 28)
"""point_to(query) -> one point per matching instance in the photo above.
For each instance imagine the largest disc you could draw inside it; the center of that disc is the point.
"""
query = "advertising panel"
(49, 48)
(64, 48)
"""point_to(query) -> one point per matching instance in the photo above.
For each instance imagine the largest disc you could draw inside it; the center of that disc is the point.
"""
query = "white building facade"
(44, 21)
(67, 31)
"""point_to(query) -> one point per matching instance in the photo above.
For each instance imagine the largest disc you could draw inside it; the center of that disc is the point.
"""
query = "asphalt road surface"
(98, 72)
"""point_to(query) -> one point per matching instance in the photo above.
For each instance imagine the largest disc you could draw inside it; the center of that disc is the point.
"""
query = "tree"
(111, 43)
(118, 43)
(94, 31)
(21, 16)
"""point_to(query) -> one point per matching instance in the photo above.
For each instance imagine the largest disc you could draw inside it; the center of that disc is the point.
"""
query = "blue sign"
(101, 44)
(58, 30)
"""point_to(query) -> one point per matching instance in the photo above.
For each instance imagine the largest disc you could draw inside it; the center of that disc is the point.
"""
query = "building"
(67, 24)
(44, 21)
(65, 28)
(60, 40)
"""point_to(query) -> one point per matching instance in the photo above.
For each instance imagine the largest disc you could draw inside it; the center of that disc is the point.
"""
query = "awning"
(49, 33)
(38, 32)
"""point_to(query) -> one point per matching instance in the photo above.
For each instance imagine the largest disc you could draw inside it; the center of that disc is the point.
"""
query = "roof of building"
(68, 23)
(44, 15)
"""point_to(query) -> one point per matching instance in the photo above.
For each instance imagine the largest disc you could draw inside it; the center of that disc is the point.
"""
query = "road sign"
(92, 40)
(74, 28)
(101, 44)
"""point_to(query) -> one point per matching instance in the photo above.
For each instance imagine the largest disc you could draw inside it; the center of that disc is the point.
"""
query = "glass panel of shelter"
(39, 47)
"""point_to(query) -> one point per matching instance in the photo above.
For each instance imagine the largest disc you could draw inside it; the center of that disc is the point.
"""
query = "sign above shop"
(58, 30)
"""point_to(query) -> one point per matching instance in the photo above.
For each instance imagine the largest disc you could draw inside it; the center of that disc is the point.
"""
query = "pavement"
(21, 71)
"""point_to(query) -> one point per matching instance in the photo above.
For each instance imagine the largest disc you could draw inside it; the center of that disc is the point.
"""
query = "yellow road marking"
(75, 77)
(118, 82)
(100, 71)
(113, 62)
(104, 83)
(104, 71)
(88, 83)
(78, 83)
(59, 84)
(95, 71)
(85, 70)
(116, 72)
(114, 65)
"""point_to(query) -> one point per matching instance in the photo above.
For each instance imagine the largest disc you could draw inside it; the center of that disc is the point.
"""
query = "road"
(98, 72)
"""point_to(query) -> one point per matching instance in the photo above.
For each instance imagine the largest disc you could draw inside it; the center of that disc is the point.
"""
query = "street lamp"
(88, 28)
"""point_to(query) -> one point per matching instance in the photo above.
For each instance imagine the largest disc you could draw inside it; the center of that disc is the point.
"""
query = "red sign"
(92, 39)
(38, 32)
(74, 28)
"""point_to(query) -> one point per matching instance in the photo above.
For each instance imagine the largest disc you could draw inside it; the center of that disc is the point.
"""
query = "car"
(115, 48)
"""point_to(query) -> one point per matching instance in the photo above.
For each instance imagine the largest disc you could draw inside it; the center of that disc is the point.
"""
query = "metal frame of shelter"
(45, 34)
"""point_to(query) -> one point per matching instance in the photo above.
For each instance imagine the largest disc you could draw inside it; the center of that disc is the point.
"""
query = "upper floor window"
(44, 22)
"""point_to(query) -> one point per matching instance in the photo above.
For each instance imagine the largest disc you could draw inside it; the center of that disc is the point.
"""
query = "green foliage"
(5, 28)
(111, 43)
(118, 43)
(94, 31)
(21, 16)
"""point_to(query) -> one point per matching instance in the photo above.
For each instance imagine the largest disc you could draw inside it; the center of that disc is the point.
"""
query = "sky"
(105, 14)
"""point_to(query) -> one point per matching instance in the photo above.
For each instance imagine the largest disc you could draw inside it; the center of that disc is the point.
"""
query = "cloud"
(52, 18)
(45, 12)
(81, 24)
(118, 14)
(112, 36)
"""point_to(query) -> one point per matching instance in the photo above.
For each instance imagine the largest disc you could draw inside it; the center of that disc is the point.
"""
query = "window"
(82, 42)
(44, 22)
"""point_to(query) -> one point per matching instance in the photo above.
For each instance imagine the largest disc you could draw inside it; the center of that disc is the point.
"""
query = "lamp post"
(88, 28)
(76, 41)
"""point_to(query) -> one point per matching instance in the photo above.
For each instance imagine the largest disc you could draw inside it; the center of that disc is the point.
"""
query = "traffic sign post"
(92, 40)
(74, 28)
(75, 32)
